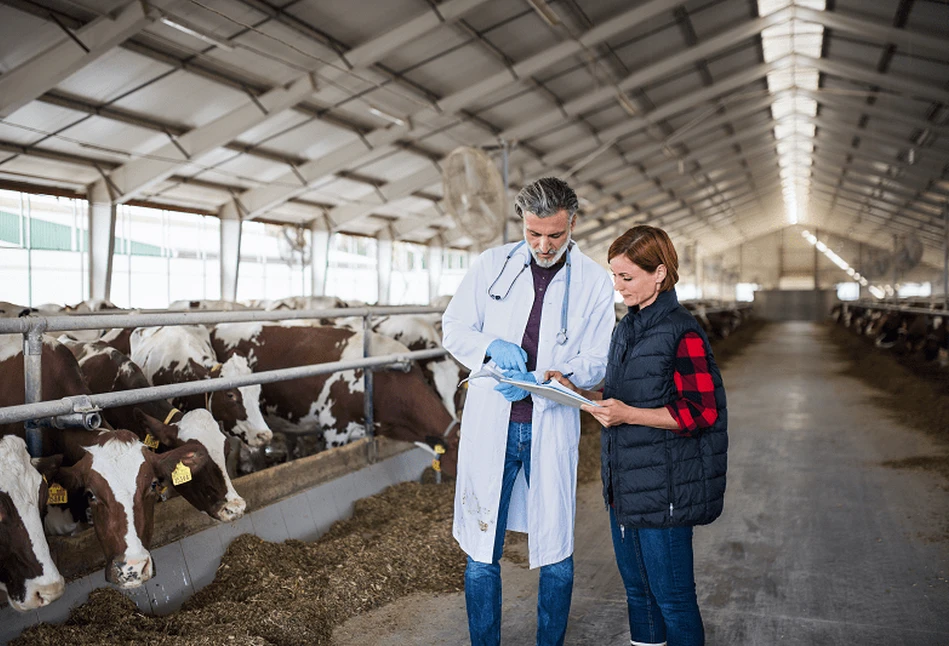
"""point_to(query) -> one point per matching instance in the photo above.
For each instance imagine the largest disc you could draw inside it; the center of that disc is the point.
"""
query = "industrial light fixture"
(382, 114)
(191, 30)
(626, 104)
(549, 15)
(911, 157)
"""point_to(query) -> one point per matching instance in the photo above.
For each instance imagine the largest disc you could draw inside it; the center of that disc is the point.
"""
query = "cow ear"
(166, 434)
(191, 454)
(48, 466)
(70, 477)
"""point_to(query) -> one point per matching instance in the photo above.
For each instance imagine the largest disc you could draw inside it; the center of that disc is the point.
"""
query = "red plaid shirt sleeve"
(695, 408)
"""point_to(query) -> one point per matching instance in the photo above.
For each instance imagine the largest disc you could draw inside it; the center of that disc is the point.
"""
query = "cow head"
(27, 572)
(120, 478)
(238, 409)
(210, 489)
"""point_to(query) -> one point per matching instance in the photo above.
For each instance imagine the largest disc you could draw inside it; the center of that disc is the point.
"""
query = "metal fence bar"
(893, 307)
(23, 412)
(101, 321)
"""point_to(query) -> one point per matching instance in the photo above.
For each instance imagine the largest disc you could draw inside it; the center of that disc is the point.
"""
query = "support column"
(816, 262)
(319, 255)
(860, 270)
(435, 250)
(945, 259)
(384, 265)
(230, 250)
(101, 239)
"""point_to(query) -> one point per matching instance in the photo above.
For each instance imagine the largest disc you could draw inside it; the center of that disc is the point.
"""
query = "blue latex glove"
(511, 392)
(508, 356)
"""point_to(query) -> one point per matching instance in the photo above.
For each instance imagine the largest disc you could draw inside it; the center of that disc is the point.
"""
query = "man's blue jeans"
(483, 580)
(656, 567)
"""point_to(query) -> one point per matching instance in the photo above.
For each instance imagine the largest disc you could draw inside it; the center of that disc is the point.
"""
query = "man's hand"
(610, 412)
(511, 392)
(508, 356)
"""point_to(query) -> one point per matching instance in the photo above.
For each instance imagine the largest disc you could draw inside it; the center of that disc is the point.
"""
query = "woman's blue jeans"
(656, 567)
(483, 580)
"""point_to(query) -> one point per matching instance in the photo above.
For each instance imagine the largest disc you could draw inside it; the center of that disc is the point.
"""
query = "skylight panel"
(793, 42)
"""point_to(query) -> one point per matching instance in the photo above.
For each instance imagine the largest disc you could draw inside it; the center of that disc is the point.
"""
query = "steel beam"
(850, 72)
(379, 142)
(663, 68)
(390, 192)
(882, 32)
(46, 70)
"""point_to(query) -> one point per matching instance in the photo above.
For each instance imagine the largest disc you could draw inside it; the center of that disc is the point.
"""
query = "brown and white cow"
(28, 574)
(211, 491)
(405, 406)
(120, 478)
(176, 354)
(419, 333)
(111, 470)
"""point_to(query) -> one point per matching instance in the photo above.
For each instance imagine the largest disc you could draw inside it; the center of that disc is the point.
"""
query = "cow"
(28, 575)
(121, 479)
(443, 374)
(211, 491)
(227, 306)
(405, 406)
(111, 471)
(176, 354)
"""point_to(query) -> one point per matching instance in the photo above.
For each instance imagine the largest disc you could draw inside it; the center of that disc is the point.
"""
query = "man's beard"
(541, 262)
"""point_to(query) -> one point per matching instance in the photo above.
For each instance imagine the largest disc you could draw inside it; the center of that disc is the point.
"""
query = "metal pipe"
(64, 323)
(892, 307)
(33, 381)
(367, 389)
(23, 412)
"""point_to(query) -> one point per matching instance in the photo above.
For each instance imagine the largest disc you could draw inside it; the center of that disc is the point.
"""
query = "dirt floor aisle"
(820, 542)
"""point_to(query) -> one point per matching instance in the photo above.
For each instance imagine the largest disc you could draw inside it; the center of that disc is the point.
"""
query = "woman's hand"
(610, 412)
(556, 375)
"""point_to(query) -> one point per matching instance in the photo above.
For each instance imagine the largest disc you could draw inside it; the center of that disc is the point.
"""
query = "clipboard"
(552, 390)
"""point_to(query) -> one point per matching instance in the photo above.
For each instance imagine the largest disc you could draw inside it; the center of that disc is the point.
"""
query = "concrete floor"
(819, 543)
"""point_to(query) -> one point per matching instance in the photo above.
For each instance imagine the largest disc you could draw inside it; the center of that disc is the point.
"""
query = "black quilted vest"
(654, 477)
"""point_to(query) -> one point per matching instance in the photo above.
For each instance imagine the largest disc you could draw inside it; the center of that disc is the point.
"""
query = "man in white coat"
(534, 306)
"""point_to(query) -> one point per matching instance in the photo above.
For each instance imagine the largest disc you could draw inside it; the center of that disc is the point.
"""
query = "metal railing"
(894, 307)
(80, 409)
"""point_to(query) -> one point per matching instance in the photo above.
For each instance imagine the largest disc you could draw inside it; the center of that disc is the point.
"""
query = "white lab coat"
(546, 511)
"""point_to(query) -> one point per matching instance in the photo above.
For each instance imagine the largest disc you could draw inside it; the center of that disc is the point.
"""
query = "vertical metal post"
(507, 206)
(945, 259)
(816, 262)
(33, 380)
(860, 270)
(367, 387)
(896, 273)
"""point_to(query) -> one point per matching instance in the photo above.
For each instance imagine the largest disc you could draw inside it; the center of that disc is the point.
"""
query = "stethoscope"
(562, 334)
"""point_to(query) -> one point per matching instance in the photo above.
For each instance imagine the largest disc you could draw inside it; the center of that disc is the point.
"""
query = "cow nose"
(232, 510)
(131, 573)
(264, 436)
(47, 594)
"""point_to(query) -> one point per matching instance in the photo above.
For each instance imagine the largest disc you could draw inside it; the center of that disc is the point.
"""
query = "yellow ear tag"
(440, 449)
(162, 492)
(151, 442)
(437, 464)
(180, 475)
(57, 495)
